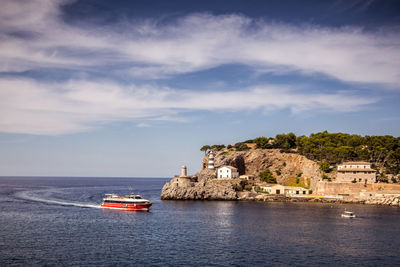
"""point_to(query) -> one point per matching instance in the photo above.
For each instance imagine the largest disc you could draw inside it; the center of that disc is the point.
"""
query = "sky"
(135, 88)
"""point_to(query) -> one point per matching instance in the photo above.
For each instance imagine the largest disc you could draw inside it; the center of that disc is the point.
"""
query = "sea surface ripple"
(57, 221)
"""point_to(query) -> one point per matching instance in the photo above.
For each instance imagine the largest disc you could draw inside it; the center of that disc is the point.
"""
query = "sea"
(57, 221)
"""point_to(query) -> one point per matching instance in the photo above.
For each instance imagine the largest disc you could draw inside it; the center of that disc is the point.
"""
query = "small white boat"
(348, 214)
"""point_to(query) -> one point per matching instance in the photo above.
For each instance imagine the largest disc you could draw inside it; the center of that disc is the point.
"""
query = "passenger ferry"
(129, 202)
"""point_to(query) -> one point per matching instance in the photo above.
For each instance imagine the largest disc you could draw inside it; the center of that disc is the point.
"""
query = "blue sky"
(135, 88)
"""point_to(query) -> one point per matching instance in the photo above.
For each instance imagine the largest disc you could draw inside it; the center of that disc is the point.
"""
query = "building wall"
(225, 172)
(358, 176)
(281, 190)
(328, 188)
(296, 191)
(354, 166)
(356, 172)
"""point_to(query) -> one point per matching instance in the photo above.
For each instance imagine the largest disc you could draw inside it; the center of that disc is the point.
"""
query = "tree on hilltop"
(205, 148)
(241, 146)
(262, 142)
(217, 147)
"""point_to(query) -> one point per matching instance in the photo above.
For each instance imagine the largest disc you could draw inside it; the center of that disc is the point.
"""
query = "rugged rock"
(285, 166)
(203, 185)
(205, 189)
(390, 200)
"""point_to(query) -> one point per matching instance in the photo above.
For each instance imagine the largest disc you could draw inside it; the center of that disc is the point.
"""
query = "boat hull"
(132, 207)
(348, 216)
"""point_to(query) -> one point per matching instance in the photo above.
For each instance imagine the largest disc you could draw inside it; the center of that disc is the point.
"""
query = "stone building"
(356, 172)
(227, 172)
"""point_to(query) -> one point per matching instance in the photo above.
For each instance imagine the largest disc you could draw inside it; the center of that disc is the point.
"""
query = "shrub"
(217, 147)
(266, 176)
(248, 187)
(325, 177)
(383, 178)
(237, 187)
(262, 142)
(325, 167)
(241, 146)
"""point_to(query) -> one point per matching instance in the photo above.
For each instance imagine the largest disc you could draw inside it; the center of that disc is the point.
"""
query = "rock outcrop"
(384, 200)
(286, 167)
(204, 189)
(203, 185)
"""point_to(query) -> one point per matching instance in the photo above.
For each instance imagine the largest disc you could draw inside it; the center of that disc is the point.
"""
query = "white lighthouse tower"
(211, 161)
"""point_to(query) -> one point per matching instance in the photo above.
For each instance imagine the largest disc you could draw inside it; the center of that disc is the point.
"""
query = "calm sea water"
(57, 221)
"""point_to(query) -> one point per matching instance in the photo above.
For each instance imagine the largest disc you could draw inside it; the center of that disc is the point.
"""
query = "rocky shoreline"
(205, 186)
(214, 189)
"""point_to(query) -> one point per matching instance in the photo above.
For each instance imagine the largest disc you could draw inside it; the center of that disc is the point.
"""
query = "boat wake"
(33, 196)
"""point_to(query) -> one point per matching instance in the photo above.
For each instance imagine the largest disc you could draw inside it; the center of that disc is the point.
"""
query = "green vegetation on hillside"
(267, 176)
(333, 148)
(241, 146)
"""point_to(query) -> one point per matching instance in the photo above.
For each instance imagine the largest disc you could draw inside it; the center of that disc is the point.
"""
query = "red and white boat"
(129, 202)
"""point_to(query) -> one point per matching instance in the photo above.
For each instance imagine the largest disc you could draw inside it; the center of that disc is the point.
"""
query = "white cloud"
(192, 43)
(57, 108)
(34, 36)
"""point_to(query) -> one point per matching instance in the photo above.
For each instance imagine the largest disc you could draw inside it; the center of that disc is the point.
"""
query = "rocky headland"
(204, 185)
(289, 169)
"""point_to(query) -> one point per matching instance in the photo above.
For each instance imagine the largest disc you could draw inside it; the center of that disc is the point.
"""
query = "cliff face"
(204, 189)
(286, 167)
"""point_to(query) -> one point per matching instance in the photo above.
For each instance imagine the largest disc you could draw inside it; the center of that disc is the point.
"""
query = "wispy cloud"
(58, 108)
(35, 36)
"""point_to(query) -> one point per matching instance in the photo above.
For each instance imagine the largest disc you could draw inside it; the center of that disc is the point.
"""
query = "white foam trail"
(27, 196)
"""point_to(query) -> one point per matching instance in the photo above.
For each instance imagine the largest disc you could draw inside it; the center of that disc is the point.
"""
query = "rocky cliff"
(288, 168)
(184, 189)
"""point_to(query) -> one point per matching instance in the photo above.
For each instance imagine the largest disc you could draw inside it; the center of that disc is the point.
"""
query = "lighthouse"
(183, 171)
(211, 161)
